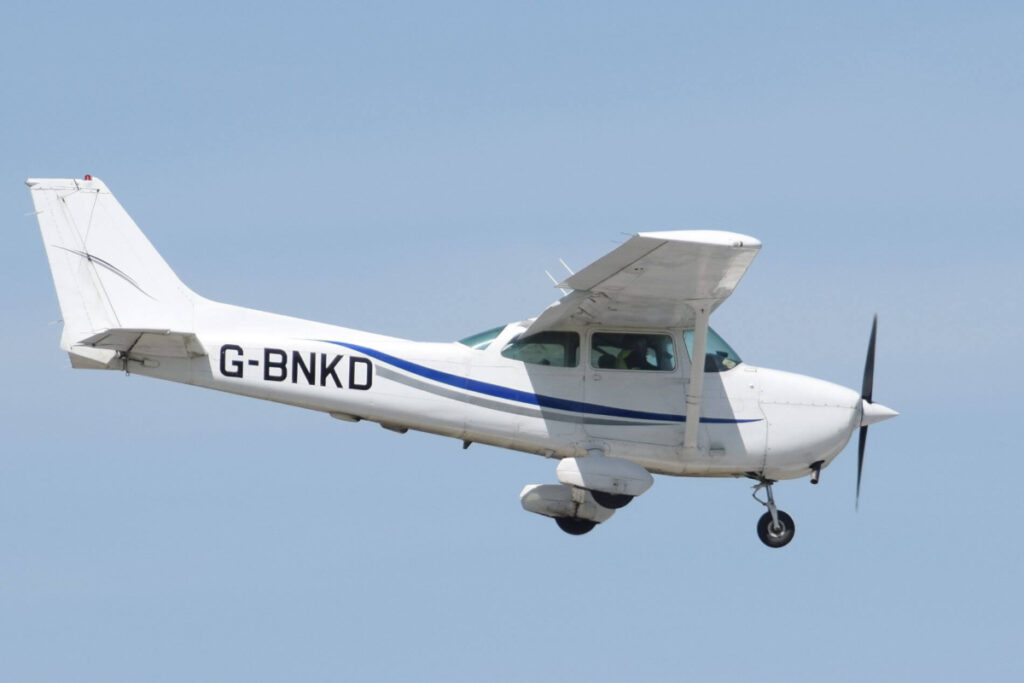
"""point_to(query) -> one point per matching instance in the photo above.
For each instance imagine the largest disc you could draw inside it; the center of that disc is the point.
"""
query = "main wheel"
(612, 501)
(778, 536)
(574, 525)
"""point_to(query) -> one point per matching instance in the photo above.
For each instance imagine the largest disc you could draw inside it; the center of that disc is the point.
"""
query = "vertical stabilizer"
(107, 274)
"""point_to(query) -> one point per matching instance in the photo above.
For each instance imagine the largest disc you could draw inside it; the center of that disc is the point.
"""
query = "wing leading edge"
(655, 279)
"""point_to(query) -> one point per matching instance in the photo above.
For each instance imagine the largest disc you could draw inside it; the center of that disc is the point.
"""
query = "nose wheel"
(775, 528)
(775, 535)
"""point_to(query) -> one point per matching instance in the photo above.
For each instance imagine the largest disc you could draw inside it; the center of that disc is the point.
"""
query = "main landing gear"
(575, 525)
(775, 528)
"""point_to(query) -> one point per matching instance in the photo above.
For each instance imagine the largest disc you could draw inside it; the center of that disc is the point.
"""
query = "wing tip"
(714, 238)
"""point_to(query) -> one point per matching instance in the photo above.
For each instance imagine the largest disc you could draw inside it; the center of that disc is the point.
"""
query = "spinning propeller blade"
(869, 365)
(860, 463)
(867, 387)
(870, 412)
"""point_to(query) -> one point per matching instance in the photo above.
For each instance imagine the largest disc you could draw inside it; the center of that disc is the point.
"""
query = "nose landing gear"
(775, 528)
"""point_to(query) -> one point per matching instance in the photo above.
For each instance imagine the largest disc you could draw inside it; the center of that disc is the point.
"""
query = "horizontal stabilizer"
(147, 343)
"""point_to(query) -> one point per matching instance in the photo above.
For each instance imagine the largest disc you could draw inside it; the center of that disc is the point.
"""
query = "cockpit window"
(558, 349)
(720, 356)
(482, 340)
(617, 350)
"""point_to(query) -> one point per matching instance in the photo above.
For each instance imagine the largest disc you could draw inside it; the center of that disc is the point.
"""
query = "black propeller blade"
(867, 387)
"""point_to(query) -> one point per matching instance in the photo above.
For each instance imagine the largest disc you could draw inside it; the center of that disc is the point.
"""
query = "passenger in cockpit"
(634, 357)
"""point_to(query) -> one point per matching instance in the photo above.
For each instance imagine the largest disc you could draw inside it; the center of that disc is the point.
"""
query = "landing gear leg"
(775, 528)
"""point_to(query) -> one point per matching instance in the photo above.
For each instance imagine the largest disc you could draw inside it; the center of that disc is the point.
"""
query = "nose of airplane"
(873, 413)
(807, 420)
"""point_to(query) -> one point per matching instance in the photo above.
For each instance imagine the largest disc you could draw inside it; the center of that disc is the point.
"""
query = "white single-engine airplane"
(602, 380)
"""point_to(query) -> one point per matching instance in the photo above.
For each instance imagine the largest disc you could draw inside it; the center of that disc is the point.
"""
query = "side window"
(558, 349)
(482, 340)
(618, 350)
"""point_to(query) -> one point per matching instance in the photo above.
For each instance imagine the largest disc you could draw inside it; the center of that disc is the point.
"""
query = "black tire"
(775, 538)
(574, 525)
(612, 501)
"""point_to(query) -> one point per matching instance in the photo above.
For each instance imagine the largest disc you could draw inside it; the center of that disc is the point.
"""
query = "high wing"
(655, 279)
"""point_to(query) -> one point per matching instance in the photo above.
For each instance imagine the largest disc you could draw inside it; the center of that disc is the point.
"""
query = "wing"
(655, 279)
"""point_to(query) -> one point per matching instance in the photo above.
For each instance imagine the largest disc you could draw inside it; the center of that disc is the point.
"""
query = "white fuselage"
(754, 421)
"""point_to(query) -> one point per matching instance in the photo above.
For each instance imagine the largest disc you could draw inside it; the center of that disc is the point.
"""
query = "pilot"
(634, 357)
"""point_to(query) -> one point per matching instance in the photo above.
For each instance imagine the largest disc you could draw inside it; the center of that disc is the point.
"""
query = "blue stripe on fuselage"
(541, 400)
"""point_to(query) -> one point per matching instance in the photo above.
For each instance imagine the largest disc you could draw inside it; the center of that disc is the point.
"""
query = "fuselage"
(753, 422)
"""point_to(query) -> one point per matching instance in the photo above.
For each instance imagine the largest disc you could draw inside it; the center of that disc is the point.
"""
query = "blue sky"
(413, 169)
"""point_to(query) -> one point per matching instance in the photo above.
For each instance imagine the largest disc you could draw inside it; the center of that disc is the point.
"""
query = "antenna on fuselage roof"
(555, 281)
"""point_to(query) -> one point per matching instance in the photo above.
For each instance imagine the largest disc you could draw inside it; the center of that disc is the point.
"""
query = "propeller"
(870, 412)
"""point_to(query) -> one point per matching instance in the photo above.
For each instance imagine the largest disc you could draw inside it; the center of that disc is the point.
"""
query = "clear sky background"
(412, 169)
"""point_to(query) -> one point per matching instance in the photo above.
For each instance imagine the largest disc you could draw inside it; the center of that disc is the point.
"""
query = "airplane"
(602, 380)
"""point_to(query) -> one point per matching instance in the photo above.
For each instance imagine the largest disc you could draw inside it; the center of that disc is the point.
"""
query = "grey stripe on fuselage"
(526, 411)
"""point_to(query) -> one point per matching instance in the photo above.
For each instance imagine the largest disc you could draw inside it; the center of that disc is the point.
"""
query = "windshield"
(481, 340)
(720, 356)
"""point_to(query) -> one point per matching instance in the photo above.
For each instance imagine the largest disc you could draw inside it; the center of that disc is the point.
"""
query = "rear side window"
(627, 351)
(482, 340)
(558, 349)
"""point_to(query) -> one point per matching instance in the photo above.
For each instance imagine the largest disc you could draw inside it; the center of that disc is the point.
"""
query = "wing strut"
(702, 311)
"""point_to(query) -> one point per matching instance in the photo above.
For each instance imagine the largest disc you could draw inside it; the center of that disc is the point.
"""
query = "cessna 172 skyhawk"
(602, 380)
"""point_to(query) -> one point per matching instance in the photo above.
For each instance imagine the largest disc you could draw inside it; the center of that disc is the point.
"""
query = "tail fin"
(107, 274)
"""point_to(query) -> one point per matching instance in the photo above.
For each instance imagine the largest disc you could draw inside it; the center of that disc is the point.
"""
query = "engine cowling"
(558, 500)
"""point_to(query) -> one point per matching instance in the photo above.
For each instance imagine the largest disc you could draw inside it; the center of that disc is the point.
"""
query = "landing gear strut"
(775, 528)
